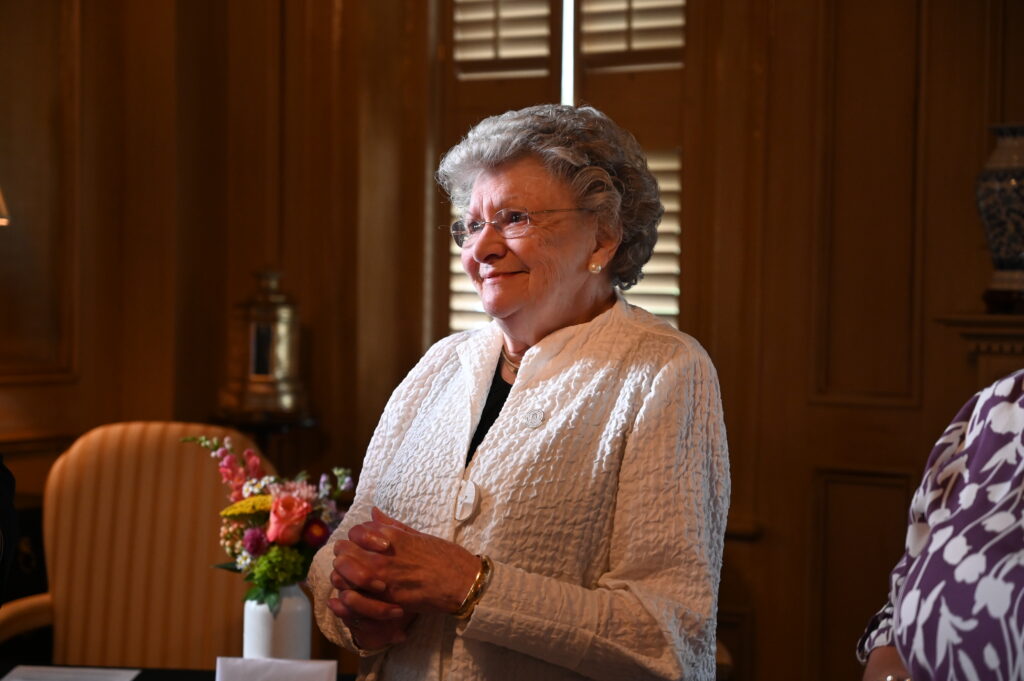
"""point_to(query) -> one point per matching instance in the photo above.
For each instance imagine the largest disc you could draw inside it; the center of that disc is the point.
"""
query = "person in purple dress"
(956, 597)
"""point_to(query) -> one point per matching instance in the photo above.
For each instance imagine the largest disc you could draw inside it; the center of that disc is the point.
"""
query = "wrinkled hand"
(390, 564)
(372, 623)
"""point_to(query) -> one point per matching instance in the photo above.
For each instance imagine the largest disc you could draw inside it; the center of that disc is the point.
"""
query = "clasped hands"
(387, 572)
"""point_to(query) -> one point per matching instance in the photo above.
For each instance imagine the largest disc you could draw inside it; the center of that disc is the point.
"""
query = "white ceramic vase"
(285, 635)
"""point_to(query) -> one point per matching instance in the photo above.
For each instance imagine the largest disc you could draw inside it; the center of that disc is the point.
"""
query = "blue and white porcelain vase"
(1000, 193)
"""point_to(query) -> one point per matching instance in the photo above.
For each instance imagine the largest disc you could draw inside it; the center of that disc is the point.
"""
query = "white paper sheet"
(273, 669)
(28, 673)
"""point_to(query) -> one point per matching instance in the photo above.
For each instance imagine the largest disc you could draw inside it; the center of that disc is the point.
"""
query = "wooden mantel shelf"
(996, 340)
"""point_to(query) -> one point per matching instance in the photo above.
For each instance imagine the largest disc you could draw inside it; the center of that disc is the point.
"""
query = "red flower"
(316, 533)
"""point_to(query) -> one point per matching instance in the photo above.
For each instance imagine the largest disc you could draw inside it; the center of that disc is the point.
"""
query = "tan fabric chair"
(130, 530)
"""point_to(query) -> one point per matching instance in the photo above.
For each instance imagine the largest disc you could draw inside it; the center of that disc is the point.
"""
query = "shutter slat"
(503, 33)
(632, 26)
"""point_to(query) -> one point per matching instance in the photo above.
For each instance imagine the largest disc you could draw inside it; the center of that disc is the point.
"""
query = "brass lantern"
(263, 355)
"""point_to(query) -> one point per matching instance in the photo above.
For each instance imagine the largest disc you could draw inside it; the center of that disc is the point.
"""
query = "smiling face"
(539, 282)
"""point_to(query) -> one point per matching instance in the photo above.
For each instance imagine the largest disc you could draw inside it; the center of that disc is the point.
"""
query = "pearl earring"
(595, 267)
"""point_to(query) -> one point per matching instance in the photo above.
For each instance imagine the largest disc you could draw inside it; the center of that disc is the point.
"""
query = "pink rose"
(287, 518)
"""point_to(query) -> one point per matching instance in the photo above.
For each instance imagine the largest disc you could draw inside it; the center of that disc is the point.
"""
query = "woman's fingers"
(352, 568)
(367, 632)
(367, 607)
(367, 538)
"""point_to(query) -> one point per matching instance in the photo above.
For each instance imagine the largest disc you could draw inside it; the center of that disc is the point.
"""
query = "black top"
(492, 407)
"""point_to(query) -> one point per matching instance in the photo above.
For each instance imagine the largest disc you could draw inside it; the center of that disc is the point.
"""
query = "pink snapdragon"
(231, 473)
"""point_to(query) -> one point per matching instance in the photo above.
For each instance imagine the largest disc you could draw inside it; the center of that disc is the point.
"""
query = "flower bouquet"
(273, 526)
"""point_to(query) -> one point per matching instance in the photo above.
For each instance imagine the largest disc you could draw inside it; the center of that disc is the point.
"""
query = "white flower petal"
(967, 495)
(997, 491)
(970, 568)
(993, 595)
(1003, 387)
(939, 538)
(991, 657)
(929, 602)
(1006, 417)
(908, 606)
(955, 550)
(999, 521)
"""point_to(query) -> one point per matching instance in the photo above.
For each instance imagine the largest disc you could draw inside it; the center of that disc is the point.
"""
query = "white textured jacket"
(602, 494)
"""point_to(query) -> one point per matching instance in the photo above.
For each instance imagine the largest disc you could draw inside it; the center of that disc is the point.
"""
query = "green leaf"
(273, 601)
(230, 567)
(255, 593)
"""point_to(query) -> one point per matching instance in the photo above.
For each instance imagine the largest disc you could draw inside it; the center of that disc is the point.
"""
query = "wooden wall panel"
(149, 272)
(866, 190)
(39, 143)
(861, 528)
(723, 260)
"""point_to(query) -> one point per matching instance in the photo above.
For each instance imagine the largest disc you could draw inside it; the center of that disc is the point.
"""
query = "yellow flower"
(256, 504)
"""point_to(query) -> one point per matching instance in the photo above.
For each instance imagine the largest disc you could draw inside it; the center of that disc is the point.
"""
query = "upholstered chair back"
(131, 537)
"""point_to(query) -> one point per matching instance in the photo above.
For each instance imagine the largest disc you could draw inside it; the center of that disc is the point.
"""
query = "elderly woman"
(544, 498)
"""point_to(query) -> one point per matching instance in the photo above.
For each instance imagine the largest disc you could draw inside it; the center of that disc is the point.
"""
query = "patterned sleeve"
(879, 632)
(956, 598)
(880, 628)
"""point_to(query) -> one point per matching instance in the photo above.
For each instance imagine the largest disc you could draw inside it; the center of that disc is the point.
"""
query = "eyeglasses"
(509, 222)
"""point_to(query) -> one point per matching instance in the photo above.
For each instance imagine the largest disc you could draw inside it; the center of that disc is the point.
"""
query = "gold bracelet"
(483, 577)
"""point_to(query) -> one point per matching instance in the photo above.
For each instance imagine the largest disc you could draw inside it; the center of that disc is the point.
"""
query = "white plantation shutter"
(464, 308)
(657, 292)
(499, 38)
(634, 31)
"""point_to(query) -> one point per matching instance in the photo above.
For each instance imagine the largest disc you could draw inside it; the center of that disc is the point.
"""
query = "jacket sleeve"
(652, 614)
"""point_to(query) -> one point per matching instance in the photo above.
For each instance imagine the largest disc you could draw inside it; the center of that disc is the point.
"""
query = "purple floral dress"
(956, 597)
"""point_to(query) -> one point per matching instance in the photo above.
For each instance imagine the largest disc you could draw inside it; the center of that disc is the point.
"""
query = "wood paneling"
(723, 260)
(39, 142)
(846, 598)
(874, 131)
(865, 191)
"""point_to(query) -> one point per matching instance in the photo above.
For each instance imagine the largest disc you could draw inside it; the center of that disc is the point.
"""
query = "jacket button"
(468, 502)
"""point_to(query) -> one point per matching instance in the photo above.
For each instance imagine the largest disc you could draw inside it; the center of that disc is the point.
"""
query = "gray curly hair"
(604, 166)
